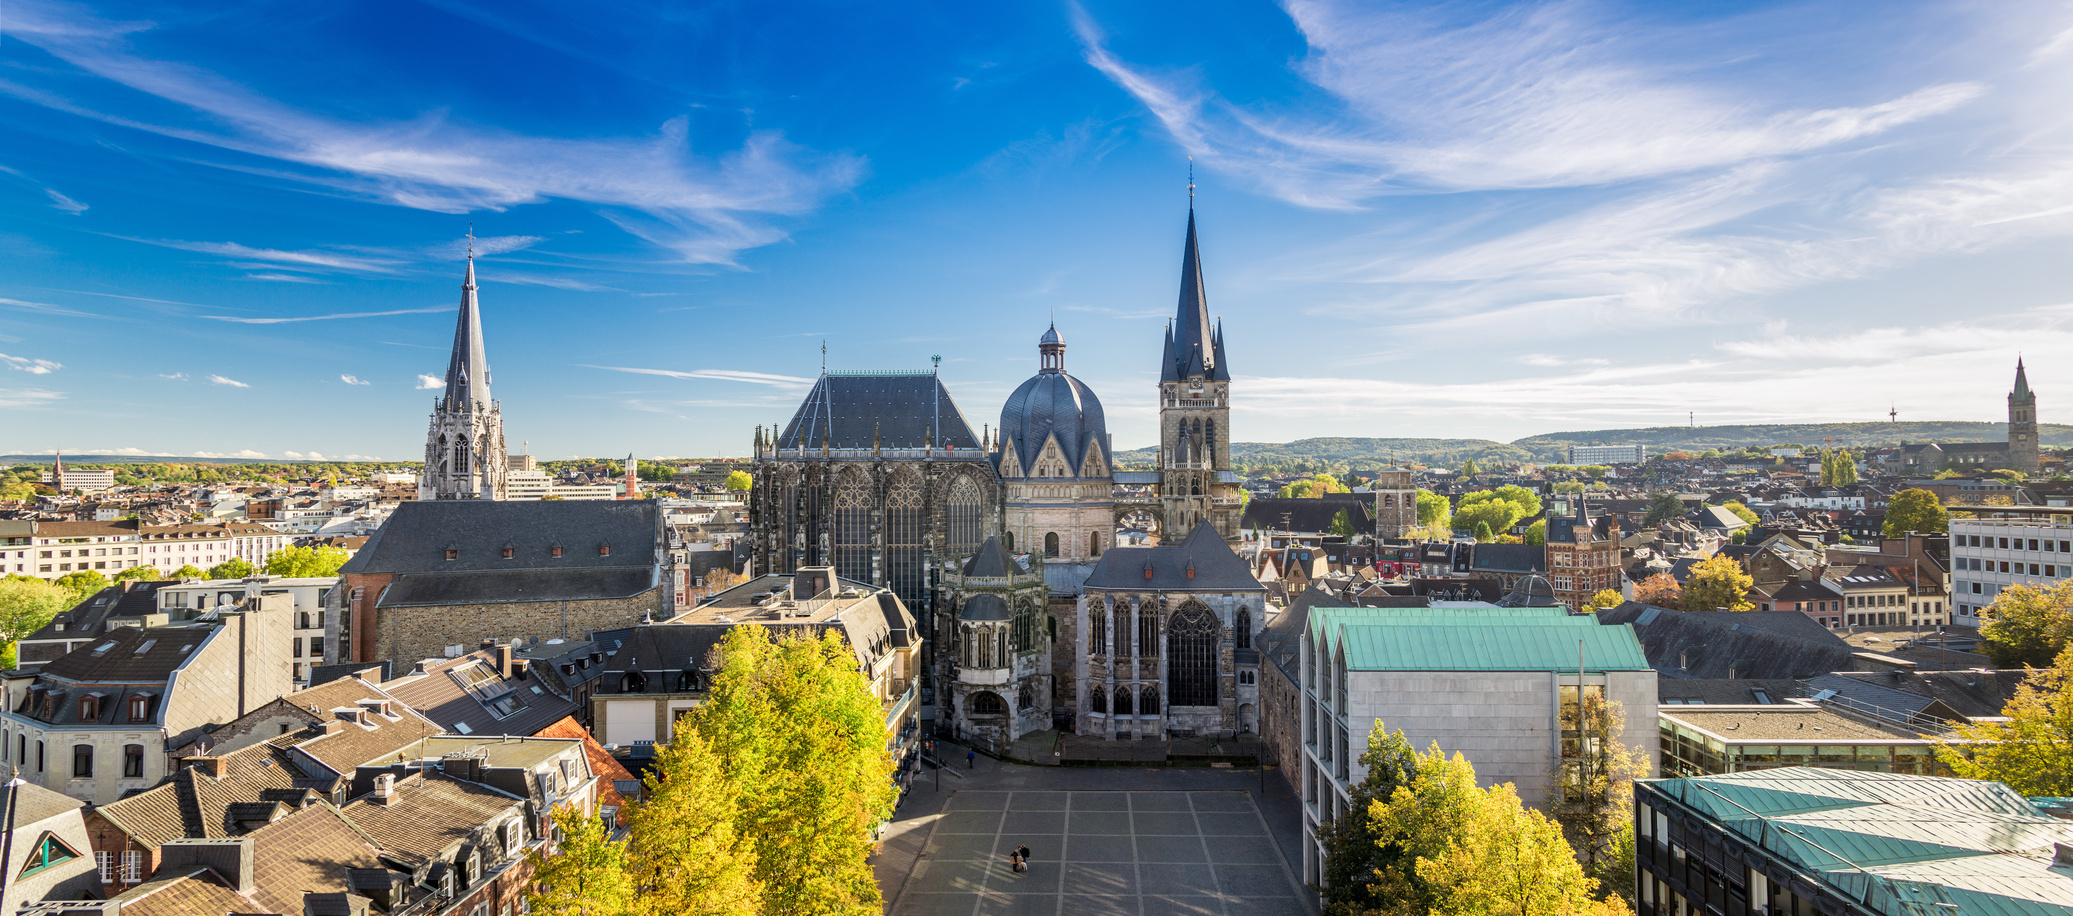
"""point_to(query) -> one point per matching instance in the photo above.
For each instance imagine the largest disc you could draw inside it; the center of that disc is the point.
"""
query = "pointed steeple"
(467, 373)
(2022, 380)
(1194, 350)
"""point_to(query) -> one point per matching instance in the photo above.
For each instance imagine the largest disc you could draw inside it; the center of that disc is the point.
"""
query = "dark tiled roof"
(992, 560)
(428, 814)
(86, 618)
(441, 698)
(1739, 691)
(1784, 623)
(1279, 641)
(1706, 646)
(1052, 402)
(1310, 516)
(518, 585)
(415, 539)
(30, 803)
(130, 655)
(1510, 558)
(894, 409)
(1216, 567)
(659, 648)
(983, 608)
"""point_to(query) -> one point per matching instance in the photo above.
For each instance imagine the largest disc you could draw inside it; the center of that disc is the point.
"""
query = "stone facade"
(1281, 725)
(1126, 675)
(1396, 504)
(464, 448)
(997, 663)
(407, 635)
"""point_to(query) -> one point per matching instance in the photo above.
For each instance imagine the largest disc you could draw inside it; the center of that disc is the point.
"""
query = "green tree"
(1718, 582)
(587, 875)
(801, 739)
(739, 482)
(687, 849)
(2033, 750)
(1593, 796)
(2029, 626)
(1537, 533)
(1342, 525)
(1568, 487)
(139, 573)
(27, 605)
(83, 584)
(1513, 493)
(1499, 510)
(1662, 507)
(1483, 535)
(1916, 510)
(655, 471)
(1433, 509)
(1354, 853)
(233, 568)
(1735, 507)
(306, 562)
(1468, 468)
(1595, 470)
(189, 571)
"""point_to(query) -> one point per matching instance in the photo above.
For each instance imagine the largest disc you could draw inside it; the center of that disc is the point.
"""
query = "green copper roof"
(1895, 842)
(1474, 639)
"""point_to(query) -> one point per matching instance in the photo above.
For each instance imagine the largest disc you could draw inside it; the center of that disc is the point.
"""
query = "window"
(1191, 673)
(1100, 701)
(507, 552)
(49, 851)
(82, 761)
(906, 526)
(1123, 704)
(1242, 628)
(965, 511)
(89, 709)
(1097, 629)
(554, 551)
(133, 866)
(1050, 544)
(1149, 703)
(316, 647)
(105, 861)
(133, 761)
(452, 554)
(604, 550)
(988, 703)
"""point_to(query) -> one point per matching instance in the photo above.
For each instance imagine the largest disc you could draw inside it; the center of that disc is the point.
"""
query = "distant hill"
(1693, 439)
(166, 459)
(1355, 453)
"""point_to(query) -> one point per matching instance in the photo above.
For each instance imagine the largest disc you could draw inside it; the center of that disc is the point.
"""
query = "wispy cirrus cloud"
(28, 397)
(724, 375)
(354, 380)
(705, 208)
(484, 246)
(61, 202)
(227, 382)
(292, 319)
(45, 307)
(295, 259)
(174, 376)
(29, 365)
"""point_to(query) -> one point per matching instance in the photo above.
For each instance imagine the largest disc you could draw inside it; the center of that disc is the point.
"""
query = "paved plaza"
(1099, 853)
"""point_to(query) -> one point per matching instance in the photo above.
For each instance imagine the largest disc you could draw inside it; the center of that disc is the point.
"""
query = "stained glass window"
(1191, 666)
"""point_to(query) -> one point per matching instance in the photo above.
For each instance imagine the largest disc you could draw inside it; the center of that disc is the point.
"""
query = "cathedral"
(464, 449)
(2019, 453)
(1004, 545)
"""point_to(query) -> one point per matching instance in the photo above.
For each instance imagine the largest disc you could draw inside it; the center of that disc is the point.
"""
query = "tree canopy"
(306, 562)
(587, 875)
(1660, 590)
(1662, 507)
(233, 568)
(83, 584)
(2033, 750)
(1433, 509)
(1916, 510)
(188, 571)
(1313, 487)
(1718, 582)
(2030, 626)
(139, 573)
(739, 482)
(1353, 851)
(26, 605)
(1500, 509)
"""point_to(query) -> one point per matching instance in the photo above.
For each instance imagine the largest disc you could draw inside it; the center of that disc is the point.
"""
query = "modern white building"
(1494, 684)
(1607, 454)
(2021, 545)
(540, 485)
(307, 647)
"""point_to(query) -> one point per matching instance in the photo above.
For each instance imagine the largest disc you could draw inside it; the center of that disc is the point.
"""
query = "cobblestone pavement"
(1108, 840)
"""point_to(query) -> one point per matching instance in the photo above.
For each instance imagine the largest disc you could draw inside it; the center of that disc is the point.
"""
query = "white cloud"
(306, 456)
(273, 256)
(283, 278)
(61, 202)
(484, 246)
(28, 397)
(45, 307)
(725, 375)
(353, 380)
(291, 454)
(430, 382)
(705, 208)
(556, 282)
(246, 453)
(174, 377)
(328, 317)
(29, 365)
(233, 383)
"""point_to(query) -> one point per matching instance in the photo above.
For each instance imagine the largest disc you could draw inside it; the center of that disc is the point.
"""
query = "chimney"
(504, 660)
(2062, 855)
(230, 857)
(335, 903)
(384, 788)
(211, 767)
(382, 887)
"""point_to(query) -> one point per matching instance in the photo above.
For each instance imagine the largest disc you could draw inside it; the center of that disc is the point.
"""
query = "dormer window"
(554, 551)
(140, 709)
(508, 550)
(604, 550)
(89, 709)
(452, 554)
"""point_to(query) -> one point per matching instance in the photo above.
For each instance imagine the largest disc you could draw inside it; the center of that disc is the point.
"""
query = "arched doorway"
(1247, 718)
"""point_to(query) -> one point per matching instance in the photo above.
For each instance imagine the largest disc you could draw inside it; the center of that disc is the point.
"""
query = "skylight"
(463, 728)
(145, 646)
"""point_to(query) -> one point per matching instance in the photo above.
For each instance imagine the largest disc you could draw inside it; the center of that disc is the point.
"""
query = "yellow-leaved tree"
(685, 849)
(586, 875)
(1717, 583)
(2033, 750)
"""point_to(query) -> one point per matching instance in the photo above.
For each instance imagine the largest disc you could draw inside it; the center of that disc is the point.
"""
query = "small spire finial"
(1191, 184)
(824, 357)
(471, 237)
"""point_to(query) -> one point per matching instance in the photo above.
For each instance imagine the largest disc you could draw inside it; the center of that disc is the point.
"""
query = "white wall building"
(540, 484)
(1607, 454)
(1494, 684)
(307, 621)
(2028, 545)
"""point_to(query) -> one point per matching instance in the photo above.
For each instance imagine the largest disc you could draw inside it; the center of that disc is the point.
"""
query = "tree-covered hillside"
(1854, 435)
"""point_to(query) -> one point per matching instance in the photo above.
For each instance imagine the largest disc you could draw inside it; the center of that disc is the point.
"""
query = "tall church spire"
(467, 372)
(2022, 380)
(464, 447)
(1194, 344)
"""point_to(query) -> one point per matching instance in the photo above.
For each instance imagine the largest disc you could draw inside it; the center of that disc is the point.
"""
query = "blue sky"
(235, 228)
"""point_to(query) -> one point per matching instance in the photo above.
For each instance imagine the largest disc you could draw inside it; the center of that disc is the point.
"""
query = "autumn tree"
(1593, 795)
(2033, 750)
(1660, 590)
(1718, 582)
(1735, 507)
(306, 562)
(687, 849)
(1354, 853)
(739, 482)
(801, 740)
(1605, 600)
(2030, 626)
(586, 875)
(1916, 510)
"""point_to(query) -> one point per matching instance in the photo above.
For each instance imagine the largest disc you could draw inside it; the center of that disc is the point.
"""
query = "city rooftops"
(1788, 722)
(772, 599)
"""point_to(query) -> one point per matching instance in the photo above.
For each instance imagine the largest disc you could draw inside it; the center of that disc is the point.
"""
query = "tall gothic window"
(1209, 444)
(965, 509)
(853, 527)
(988, 703)
(1094, 543)
(786, 514)
(904, 523)
(1026, 699)
(1243, 625)
(1051, 545)
(1097, 629)
(1123, 704)
(1191, 664)
(460, 455)
(1148, 704)
(1147, 633)
(1122, 629)
(1025, 626)
(1100, 700)
(1001, 654)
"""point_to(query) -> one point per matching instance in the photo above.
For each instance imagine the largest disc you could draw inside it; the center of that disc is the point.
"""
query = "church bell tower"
(2022, 422)
(464, 449)
(1195, 483)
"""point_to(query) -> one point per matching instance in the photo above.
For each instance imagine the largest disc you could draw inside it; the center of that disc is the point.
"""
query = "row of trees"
(764, 801)
(1838, 468)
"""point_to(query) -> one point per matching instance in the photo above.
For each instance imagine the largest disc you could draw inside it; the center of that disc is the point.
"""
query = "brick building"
(1583, 552)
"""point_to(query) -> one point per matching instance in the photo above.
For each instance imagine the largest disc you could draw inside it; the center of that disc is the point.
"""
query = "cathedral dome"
(1053, 402)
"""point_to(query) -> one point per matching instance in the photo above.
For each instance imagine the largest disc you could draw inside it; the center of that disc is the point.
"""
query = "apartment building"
(109, 547)
(2026, 545)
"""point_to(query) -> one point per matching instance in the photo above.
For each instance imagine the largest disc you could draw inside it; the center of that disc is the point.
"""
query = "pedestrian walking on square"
(1022, 853)
(970, 756)
(1015, 862)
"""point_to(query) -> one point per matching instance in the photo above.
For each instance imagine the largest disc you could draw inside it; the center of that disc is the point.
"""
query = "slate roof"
(1785, 623)
(897, 409)
(428, 815)
(658, 648)
(1054, 403)
(1972, 693)
(416, 537)
(467, 370)
(439, 694)
(31, 804)
(1216, 567)
(992, 560)
(1283, 634)
(1509, 558)
(131, 655)
(1740, 691)
(1194, 347)
(518, 586)
(981, 608)
(1310, 516)
(1711, 645)
(86, 619)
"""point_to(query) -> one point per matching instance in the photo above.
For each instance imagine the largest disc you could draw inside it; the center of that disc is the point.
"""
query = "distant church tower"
(464, 450)
(1195, 413)
(2022, 422)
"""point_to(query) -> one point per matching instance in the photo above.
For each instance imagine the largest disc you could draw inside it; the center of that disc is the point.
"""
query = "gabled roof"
(416, 537)
(428, 814)
(1509, 558)
(856, 410)
(1707, 645)
(1215, 567)
(193, 805)
(131, 655)
(1310, 516)
(85, 619)
(467, 696)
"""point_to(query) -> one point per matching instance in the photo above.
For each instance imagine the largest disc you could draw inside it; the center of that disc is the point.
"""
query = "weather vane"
(471, 234)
